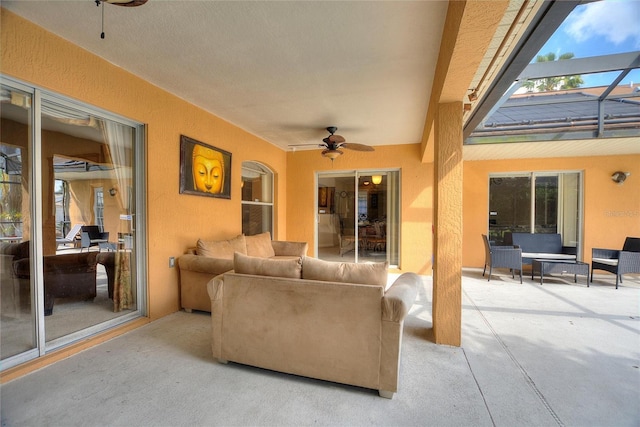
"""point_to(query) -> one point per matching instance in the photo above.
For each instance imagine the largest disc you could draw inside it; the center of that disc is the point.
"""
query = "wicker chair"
(502, 257)
(617, 262)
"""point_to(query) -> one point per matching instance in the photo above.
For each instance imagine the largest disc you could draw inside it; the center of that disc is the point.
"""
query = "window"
(99, 207)
(257, 199)
(537, 202)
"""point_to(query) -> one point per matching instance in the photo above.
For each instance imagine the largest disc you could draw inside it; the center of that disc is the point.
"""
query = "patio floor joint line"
(524, 373)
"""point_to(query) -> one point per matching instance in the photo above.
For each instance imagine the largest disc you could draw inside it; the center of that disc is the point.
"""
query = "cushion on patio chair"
(618, 262)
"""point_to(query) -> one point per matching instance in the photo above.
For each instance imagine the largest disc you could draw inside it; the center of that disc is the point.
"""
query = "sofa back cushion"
(259, 245)
(258, 266)
(347, 272)
(538, 242)
(631, 244)
(223, 249)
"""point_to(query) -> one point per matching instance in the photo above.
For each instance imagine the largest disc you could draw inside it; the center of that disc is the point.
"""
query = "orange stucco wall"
(416, 196)
(174, 221)
(611, 211)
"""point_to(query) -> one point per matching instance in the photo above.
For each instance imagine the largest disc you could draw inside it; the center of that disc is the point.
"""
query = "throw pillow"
(347, 272)
(245, 264)
(222, 249)
(260, 245)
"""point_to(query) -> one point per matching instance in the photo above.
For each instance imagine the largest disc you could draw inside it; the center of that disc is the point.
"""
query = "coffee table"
(549, 266)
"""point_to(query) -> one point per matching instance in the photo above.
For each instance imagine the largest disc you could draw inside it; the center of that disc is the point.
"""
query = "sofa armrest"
(604, 253)
(215, 288)
(203, 264)
(294, 249)
(399, 298)
(628, 262)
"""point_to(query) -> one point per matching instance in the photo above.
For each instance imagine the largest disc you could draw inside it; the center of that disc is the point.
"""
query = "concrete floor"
(556, 354)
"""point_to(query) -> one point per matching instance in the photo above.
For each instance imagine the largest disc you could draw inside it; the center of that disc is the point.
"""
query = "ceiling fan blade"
(336, 139)
(127, 3)
(308, 145)
(357, 147)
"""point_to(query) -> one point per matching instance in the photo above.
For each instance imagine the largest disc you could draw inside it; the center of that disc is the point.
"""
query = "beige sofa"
(211, 258)
(327, 320)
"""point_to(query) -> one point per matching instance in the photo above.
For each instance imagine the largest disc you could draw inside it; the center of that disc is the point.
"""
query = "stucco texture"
(174, 221)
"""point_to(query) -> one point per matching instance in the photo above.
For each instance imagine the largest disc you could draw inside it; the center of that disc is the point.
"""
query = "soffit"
(549, 149)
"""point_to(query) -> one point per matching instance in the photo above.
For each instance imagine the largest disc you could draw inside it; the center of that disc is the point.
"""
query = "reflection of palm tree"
(553, 83)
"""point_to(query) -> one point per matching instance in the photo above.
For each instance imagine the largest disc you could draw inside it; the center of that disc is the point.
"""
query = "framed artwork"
(204, 170)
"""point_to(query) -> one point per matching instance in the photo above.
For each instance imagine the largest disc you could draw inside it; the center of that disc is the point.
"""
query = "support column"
(447, 272)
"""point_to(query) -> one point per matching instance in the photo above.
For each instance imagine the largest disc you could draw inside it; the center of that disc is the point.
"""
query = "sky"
(599, 28)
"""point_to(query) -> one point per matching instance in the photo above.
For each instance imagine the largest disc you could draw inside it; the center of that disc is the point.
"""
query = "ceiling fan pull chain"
(102, 33)
(98, 2)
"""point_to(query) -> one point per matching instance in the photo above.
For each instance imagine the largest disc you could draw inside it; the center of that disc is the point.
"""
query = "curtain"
(123, 295)
(119, 139)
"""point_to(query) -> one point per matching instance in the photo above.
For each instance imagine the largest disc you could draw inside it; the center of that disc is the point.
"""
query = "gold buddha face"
(208, 170)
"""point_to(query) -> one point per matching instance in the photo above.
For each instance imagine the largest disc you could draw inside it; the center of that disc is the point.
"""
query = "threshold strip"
(526, 376)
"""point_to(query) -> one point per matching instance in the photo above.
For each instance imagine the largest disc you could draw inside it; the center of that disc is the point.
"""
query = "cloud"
(616, 21)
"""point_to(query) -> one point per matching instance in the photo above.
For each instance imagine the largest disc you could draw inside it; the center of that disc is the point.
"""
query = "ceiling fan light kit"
(332, 154)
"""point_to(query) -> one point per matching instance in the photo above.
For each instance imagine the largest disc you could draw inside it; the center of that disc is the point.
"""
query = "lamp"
(332, 154)
(376, 179)
(113, 191)
(619, 177)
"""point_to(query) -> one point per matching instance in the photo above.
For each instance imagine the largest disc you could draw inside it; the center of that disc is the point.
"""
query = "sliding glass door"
(358, 216)
(537, 202)
(71, 259)
(18, 332)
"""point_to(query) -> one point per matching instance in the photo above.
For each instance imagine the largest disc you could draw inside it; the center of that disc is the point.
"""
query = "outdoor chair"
(618, 262)
(92, 236)
(501, 257)
(70, 237)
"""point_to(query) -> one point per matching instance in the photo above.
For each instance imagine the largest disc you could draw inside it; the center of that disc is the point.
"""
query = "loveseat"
(211, 258)
(327, 320)
(541, 246)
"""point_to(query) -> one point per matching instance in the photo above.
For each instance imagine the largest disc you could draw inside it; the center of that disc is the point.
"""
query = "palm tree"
(553, 83)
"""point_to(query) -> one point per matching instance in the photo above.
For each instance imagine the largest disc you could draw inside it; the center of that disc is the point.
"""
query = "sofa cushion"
(245, 264)
(348, 272)
(259, 245)
(223, 249)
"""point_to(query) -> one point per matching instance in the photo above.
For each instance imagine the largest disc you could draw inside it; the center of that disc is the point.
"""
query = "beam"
(468, 31)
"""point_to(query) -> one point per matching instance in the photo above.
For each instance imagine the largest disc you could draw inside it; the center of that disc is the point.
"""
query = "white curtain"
(119, 138)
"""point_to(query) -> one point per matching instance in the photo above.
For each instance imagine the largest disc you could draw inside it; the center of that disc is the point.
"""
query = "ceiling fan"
(332, 145)
(126, 3)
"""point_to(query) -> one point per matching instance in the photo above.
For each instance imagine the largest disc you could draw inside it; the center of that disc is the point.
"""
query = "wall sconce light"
(619, 177)
(376, 179)
(113, 191)
(473, 96)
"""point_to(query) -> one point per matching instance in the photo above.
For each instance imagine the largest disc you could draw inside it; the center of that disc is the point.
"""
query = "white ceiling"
(281, 70)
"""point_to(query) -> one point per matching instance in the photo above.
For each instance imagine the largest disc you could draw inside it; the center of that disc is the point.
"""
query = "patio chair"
(617, 262)
(501, 257)
(70, 237)
(90, 235)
